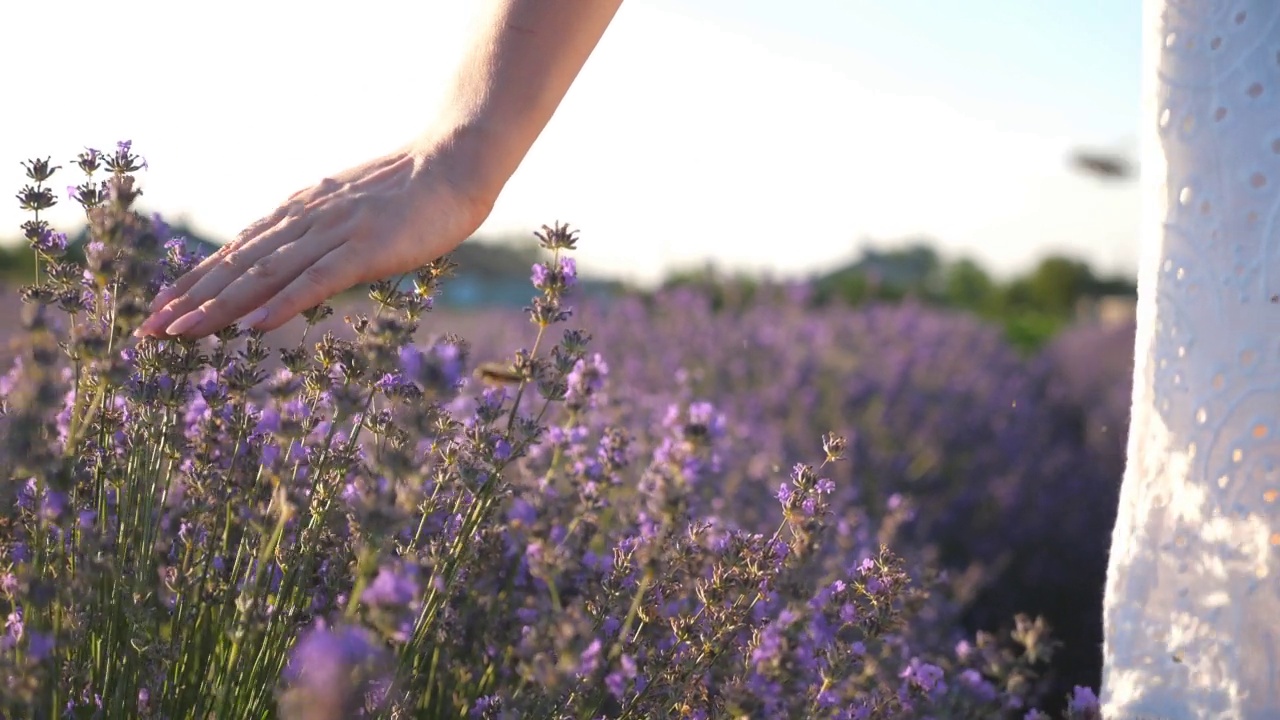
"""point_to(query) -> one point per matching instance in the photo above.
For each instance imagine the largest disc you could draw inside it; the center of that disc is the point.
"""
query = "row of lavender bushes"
(964, 455)
(639, 511)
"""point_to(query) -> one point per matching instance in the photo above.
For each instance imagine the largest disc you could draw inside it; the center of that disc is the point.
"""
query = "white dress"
(1192, 608)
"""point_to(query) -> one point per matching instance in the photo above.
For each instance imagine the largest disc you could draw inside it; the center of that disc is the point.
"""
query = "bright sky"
(763, 134)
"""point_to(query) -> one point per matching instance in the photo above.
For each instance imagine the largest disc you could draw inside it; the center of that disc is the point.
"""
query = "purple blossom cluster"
(370, 524)
(1000, 469)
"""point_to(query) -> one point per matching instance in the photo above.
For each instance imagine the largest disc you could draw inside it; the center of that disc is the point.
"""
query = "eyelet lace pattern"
(1192, 607)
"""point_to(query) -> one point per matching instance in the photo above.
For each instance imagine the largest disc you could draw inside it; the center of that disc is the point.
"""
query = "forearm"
(517, 70)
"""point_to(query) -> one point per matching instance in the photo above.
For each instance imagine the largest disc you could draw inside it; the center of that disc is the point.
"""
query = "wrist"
(469, 157)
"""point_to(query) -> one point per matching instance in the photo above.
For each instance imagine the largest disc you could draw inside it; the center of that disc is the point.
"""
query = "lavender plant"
(964, 454)
(362, 528)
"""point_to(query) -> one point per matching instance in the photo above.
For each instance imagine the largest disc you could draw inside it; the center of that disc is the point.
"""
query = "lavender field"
(1002, 470)
(639, 508)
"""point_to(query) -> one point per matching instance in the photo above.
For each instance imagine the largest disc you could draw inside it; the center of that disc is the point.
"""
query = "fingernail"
(148, 326)
(184, 323)
(253, 319)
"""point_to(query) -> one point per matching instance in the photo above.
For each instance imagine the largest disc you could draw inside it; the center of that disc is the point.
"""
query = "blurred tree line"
(491, 270)
(17, 260)
(1032, 306)
(488, 258)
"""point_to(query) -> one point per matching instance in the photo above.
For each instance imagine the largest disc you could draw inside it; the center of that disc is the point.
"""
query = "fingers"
(340, 269)
(251, 288)
(314, 280)
(249, 259)
(184, 283)
(292, 259)
(255, 259)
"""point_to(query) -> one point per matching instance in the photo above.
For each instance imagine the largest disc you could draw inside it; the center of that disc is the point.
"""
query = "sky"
(758, 134)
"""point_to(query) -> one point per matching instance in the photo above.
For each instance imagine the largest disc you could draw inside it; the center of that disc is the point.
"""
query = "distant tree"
(509, 258)
(17, 262)
(967, 285)
(1056, 284)
(726, 291)
(912, 270)
(1115, 285)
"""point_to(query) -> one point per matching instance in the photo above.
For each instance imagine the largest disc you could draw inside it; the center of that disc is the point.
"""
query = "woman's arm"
(397, 212)
(515, 74)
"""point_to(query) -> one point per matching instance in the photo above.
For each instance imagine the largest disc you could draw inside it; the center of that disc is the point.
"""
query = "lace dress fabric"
(1192, 607)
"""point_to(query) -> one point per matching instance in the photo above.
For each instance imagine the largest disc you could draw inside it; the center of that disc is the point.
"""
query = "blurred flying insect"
(498, 374)
(1105, 165)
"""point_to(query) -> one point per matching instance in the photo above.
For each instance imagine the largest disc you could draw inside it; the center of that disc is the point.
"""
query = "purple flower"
(769, 648)
(393, 383)
(521, 512)
(589, 661)
(53, 505)
(27, 494)
(89, 158)
(436, 369)
(784, 493)
(51, 243)
(484, 704)
(323, 658)
(39, 645)
(586, 380)
(848, 613)
(568, 271)
(563, 277)
(268, 421)
(493, 397)
(926, 676)
(395, 587)
(611, 625)
(541, 275)
(616, 684)
(978, 685)
(449, 356)
(1083, 700)
(12, 377)
(501, 449)
(14, 625)
(705, 415)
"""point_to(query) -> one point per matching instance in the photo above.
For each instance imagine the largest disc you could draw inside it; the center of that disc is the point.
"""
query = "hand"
(382, 218)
